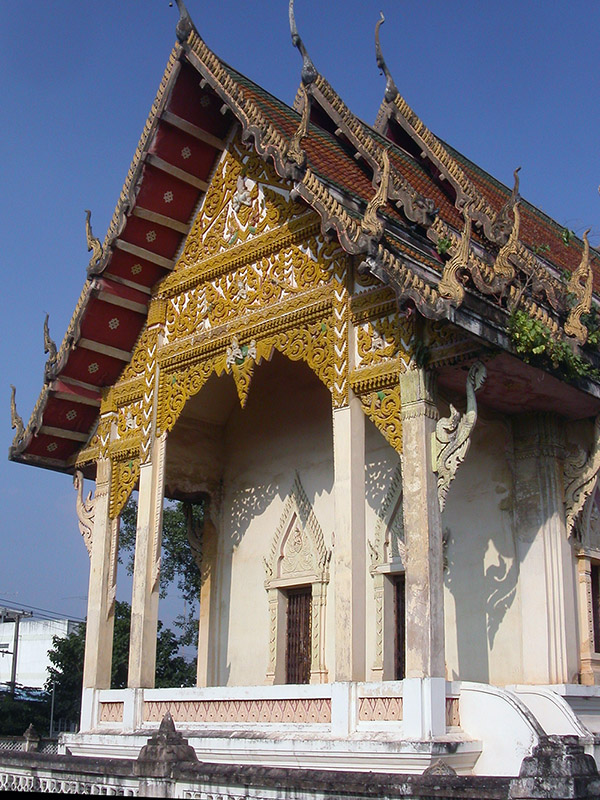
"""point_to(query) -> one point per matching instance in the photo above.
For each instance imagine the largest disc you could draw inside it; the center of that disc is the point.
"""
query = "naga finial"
(391, 90)
(93, 244)
(371, 225)
(309, 72)
(16, 423)
(502, 224)
(295, 153)
(581, 286)
(49, 345)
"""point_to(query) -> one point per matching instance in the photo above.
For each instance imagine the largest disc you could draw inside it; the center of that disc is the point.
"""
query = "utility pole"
(14, 615)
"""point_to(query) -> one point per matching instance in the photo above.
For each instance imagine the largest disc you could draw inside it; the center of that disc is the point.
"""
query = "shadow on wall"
(481, 565)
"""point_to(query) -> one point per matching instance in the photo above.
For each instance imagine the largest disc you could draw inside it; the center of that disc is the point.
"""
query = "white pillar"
(424, 694)
(146, 569)
(349, 546)
(546, 561)
(100, 614)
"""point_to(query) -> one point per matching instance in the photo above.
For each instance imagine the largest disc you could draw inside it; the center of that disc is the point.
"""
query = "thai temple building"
(344, 341)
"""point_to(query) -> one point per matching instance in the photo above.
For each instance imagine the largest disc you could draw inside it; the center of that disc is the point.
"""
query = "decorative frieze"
(380, 709)
(271, 711)
(110, 712)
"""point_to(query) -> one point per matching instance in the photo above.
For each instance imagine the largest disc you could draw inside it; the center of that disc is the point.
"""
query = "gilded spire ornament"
(309, 72)
(580, 285)
(371, 225)
(450, 286)
(93, 244)
(16, 423)
(391, 90)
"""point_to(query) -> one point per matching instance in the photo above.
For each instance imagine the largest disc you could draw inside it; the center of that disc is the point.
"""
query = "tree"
(183, 522)
(67, 654)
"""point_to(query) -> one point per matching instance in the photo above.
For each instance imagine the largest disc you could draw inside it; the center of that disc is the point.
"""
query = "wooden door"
(298, 651)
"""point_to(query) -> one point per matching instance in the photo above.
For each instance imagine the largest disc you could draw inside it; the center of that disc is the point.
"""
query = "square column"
(425, 655)
(146, 569)
(546, 559)
(349, 554)
(97, 662)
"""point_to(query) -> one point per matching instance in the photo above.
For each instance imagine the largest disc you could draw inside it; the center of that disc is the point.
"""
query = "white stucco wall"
(285, 428)
(35, 639)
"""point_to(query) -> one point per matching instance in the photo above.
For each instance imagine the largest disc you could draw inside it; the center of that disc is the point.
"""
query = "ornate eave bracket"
(502, 224)
(452, 436)
(581, 475)
(86, 511)
(580, 285)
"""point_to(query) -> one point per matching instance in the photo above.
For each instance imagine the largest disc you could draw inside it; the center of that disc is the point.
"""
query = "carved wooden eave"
(150, 222)
(417, 208)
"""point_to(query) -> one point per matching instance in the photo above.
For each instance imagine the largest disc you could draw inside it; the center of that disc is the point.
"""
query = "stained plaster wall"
(482, 599)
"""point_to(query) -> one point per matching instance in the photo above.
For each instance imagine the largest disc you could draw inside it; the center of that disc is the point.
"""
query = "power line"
(50, 615)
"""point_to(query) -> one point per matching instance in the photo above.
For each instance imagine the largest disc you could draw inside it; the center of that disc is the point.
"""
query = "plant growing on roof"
(443, 245)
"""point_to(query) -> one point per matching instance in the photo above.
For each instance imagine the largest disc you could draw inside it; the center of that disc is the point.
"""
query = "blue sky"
(507, 84)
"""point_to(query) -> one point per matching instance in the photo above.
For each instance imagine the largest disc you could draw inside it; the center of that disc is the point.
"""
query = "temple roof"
(394, 195)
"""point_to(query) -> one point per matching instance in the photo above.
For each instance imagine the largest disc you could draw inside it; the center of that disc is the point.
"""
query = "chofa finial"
(185, 25)
(391, 90)
(309, 73)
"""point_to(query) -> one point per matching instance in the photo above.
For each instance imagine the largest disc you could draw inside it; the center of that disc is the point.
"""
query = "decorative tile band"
(111, 712)
(375, 709)
(306, 710)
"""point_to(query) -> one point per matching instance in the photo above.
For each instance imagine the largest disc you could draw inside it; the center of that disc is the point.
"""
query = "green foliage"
(16, 713)
(67, 654)
(538, 249)
(177, 561)
(592, 323)
(536, 344)
(443, 245)
(567, 235)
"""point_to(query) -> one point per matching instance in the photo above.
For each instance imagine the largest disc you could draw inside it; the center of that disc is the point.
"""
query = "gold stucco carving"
(383, 407)
(124, 477)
